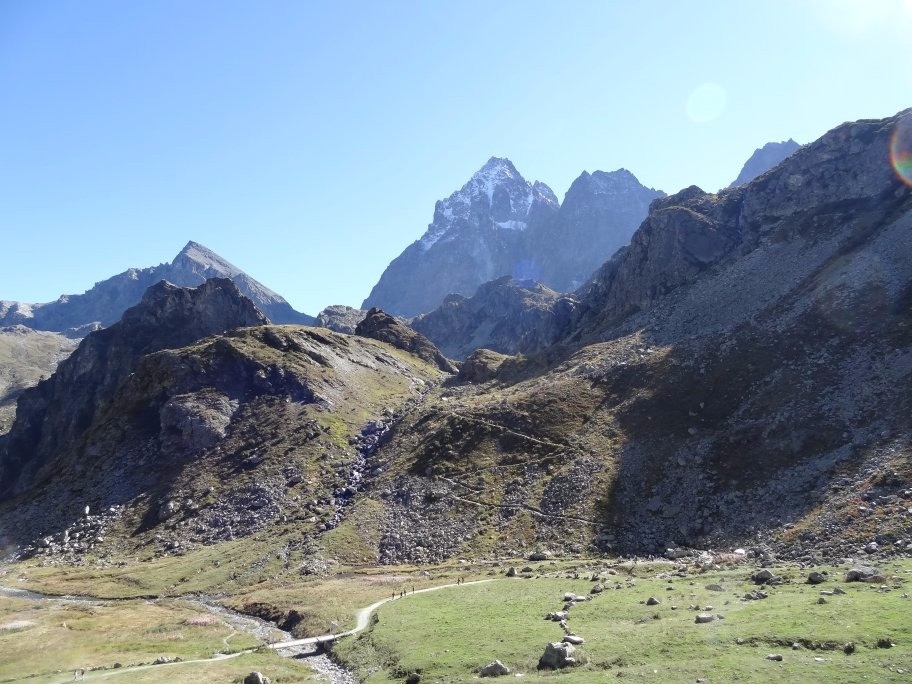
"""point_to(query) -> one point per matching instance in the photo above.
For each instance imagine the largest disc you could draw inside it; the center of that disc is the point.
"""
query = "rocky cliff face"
(500, 224)
(106, 302)
(52, 416)
(763, 159)
(504, 315)
(823, 199)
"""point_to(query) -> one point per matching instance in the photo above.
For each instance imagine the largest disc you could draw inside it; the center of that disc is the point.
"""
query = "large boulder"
(557, 655)
(495, 669)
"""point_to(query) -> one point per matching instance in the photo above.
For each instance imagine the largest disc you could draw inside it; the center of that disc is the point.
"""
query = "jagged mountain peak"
(499, 224)
(618, 181)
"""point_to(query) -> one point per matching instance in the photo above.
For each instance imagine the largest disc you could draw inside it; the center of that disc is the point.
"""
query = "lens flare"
(901, 150)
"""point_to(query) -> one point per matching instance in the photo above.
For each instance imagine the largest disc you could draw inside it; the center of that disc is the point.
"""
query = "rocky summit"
(105, 303)
(763, 159)
(500, 224)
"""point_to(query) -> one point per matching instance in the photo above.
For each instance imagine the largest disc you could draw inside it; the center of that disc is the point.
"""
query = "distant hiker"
(413, 588)
(393, 597)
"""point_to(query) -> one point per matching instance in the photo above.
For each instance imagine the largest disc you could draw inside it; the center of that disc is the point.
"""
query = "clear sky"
(307, 142)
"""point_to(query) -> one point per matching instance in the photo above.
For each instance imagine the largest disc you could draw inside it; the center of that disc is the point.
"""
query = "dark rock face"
(835, 188)
(763, 159)
(341, 318)
(505, 315)
(105, 303)
(55, 412)
(499, 224)
(379, 325)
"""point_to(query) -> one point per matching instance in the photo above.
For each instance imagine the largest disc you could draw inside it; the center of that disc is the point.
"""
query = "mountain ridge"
(498, 224)
(105, 302)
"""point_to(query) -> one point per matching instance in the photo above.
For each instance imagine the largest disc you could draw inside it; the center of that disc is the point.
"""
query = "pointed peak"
(202, 256)
(193, 247)
(497, 168)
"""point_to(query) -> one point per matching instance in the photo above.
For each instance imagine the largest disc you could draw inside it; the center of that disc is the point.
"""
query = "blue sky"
(307, 142)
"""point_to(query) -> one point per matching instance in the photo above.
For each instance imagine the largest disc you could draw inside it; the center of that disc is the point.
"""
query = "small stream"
(258, 628)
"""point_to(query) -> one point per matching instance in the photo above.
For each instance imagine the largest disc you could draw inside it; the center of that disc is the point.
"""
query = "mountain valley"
(721, 383)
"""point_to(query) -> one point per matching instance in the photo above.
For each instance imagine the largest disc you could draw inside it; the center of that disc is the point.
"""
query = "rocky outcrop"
(499, 224)
(763, 159)
(105, 303)
(341, 318)
(379, 325)
(53, 414)
(505, 315)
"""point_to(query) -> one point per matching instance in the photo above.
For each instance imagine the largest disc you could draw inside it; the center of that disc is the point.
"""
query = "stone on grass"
(575, 640)
(714, 587)
(765, 577)
(884, 642)
(495, 669)
(816, 578)
(849, 648)
(704, 618)
(652, 601)
(511, 571)
(256, 678)
(861, 573)
(557, 655)
(775, 656)
(413, 678)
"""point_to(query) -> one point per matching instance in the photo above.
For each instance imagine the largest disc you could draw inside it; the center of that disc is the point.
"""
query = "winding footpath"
(363, 618)
(293, 646)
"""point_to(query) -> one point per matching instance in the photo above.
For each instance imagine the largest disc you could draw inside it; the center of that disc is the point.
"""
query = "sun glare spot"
(706, 102)
(901, 150)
